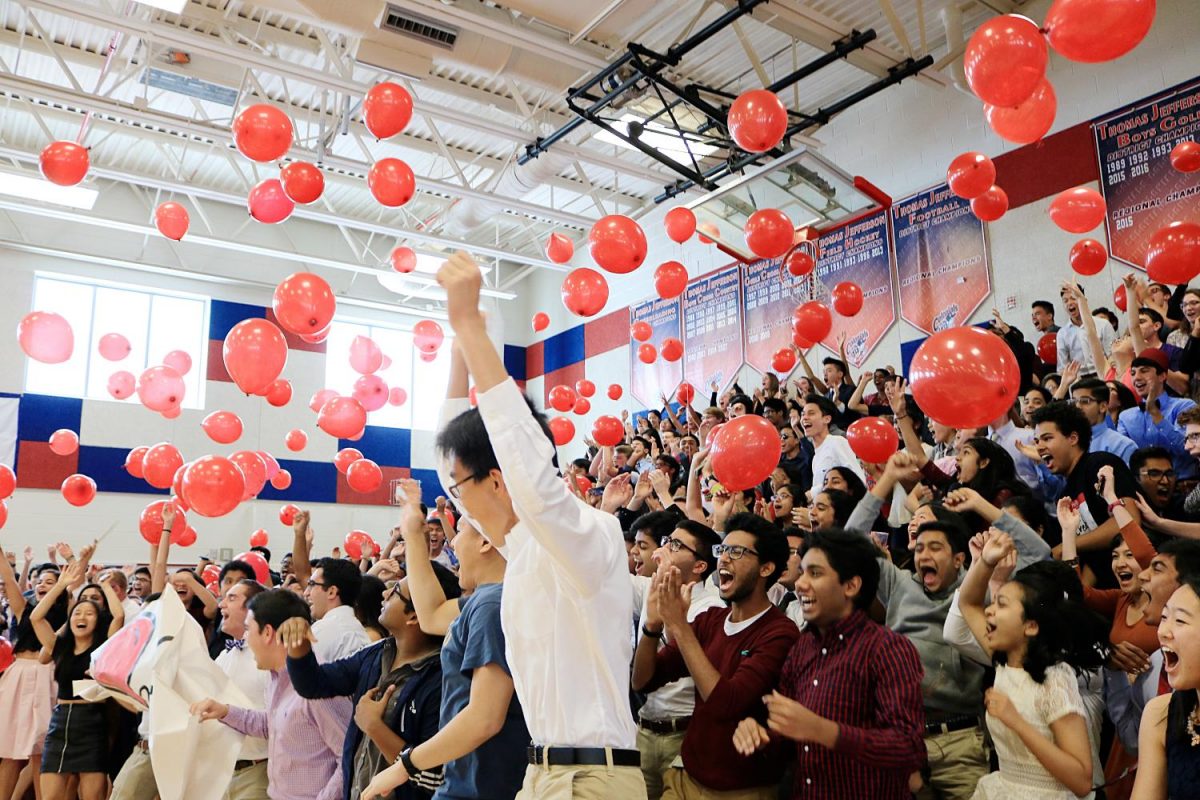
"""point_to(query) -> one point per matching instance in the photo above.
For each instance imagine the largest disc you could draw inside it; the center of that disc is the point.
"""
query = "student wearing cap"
(1155, 421)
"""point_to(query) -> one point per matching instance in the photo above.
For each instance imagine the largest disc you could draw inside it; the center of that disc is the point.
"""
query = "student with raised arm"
(566, 603)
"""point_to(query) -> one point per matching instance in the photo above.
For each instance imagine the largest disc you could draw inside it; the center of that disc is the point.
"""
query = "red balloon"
(1078, 210)
(133, 461)
(63, 442)
(304, 303)
(647, 353)
(397, 396)
(563, 430)
(259, 538)
(3, 512)
(685, 394)
(1119, 298)
(1173, 253)
(1088, 257)
(964, 377)
(670, 279)
(757, 120)
(428, 336)
(744, 452)
(1005, 60)
(387, 109)
(78, 490)
(177, 488)
(584, 292)
(799, 263)
(364, 475)
(342, 417)
(617, 244)
(371, 392)
(562, 398)
(150, 522)
(365, 355)
(262, 133)
(541, 321)
(254, 470)
(991, 205)
(270, 462)
(847, 298)
(582, 406)
(671, 349)
(1027, 121)
(1091, 31)
(391, 182)
(302, 182)
(680, 223)
(345, 457)
(641, 330)
(6, 648)
(287, 513)
(159, 465)
(614, 391)
(121, 384)
(800, 341)
(179, 361)
(255, 352)
(404, 259)
(1047, 348)
(709, 228)
(607, 431)
(64, 163)
(358, 543)
(8, 481)
(769, 233)
(1185, 156)
(280, 393)
(873, 439)
(262, 570)
(812, 321)
(784, 360)
(114, 347)
(268, 203)
(186, 538)
(585, 388)
(210, 574)
(46, 337)
(160, 389)
(559, 248)
(970, 175)
(296, 440)
(172, 220)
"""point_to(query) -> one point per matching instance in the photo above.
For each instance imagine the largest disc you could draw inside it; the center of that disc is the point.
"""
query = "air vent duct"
(415, 26)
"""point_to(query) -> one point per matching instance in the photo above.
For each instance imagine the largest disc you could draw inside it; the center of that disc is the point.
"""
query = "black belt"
(540, 755)
(677, 725)
(238, 766)
(960, 723)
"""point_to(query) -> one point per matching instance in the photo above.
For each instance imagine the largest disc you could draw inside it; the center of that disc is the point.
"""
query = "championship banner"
(712, 333)
(941, 259)
(859, 253)
(649, 382)
(1142, 190)
(770, 294)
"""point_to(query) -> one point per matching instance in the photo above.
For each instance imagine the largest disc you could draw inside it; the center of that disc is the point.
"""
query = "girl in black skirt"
(77, 742)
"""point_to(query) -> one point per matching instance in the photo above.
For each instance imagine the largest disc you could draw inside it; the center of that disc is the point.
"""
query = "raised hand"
(673, 597)
(412, 522)
(1106, 483)
(617, 492)
(895, 394)
(963, 500)
(998, 546)
(459, 275)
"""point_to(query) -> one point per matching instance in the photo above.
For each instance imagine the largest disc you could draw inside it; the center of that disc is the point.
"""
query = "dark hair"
(744, 400)
(843, 505)
(794, 473)
(828, 409)
(1068, 631)
(276, 606)
(47, 567)
(104, 608)
(1046, 396)
(655, 524)
(447, 580)
(1143, 454)
(1184, 552)
(669, 461)
(705, 537)
(837, 362)
(1068, 419)
(1029, 508)
(466, 438)
(768, 541)
(1095, 387)
(796, 490)
(850, 555)
(957, 534)
(369, 605)
(64, 640)
(855, 486)
(235, 566)
(1045, 305)
(266, 553)
(343, 575)
(774, 404)
(142, 571)
(1155, 317)
(1108, 315)
(691, 436)
(1125, 396)
(582, 463)
(253, 588)
(1000, 472)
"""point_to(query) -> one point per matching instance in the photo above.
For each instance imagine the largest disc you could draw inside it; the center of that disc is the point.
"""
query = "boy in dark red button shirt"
(850, 693)
(733, 654)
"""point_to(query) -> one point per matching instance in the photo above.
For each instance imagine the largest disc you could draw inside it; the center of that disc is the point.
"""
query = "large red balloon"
(615, 391)
(391, 182)
(64, 163)
(647, 353)
(1173, 253)
(680, 223)
(559, 248)
(757, 120)
(964, 377)
(584, 292)
(541, 321)
(254, 470)
(133, 461)
(1078, 210)
(1185, 156)
(1097, 30)
(641, 331)
(563, 430)
(769, 233)
(1047, 348)
(150, 521)
(171, 219)
(255, 352)
(812, 320)
(342, 417)
(268, 203)
(1027, 121)
(364, 475)
(262, 570)
(670, 279)
(159, 465)
(991, 205)
(302, 182)
(358, 544)
(607, 431)
(873, 439)
(8, 481)
(46, 337)
(784, 360)
(78, 490)
(262, 133)
(671, 349)
(799, 262)
(561, 398)
(617, 244)
(744, 452)
(1005, 60)
(387, 109)
(970, 175)
(303, 303)
(161, 389)
(847, 298)
(1088, 257)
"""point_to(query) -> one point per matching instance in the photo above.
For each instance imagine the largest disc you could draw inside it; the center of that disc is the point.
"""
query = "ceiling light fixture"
(173, 6)
(419, 286)
(657, 136)
(28, 187)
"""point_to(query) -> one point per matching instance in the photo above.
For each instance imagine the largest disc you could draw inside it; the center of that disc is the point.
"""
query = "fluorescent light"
(657, 136)
(420, 286)
(430, 263)
(174, 6)
(30, 188)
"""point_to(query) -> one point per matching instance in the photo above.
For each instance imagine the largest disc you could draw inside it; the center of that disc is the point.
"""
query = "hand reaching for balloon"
(168, 516)
(459, 275)
(412, 522)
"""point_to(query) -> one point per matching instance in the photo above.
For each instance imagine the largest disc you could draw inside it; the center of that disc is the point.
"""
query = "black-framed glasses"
(453, 489)
(318, 584)
(1159, 474)
(734, 551)
(1192, 437)
(1083, 400)
(675, 545)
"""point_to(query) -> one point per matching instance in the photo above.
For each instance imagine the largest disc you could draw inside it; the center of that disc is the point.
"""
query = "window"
(155, 323)
(424, 382)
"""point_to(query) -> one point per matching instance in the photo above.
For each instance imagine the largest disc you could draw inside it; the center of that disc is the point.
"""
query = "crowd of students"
(1003, 612)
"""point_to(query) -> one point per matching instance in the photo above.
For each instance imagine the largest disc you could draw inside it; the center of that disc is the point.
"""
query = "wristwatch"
(649, 634)
(405, 758)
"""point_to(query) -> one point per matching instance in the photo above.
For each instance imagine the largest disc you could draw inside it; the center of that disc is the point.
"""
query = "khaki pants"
(957, 760)
(135, 781)
(680, 786)
(249, 783)
(659, 751)
(588, 783)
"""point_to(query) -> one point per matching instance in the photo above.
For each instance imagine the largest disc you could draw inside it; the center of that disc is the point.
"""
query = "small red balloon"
(607, 431)
(254, 471)
(259, 538)
(150, 521)
(1119, 299)
(582, 406)
(799, 263)
(1173, 253)
(296, 440)
(991, 205)
(757, 120)
(63, 442)
(254, 352)
(847, 298)
(159, 465)
(1027, 121)
(287, 513)
(364, 476)
(744, 452)
(873, 439)
(8, 481)
(358, 544)
(428, 336)
(391, 182)
(680, 223)
(1047, 348)
(342, 417)
(262, 133)
(262, 570)
(784, 360)
(1078, 210)
(584, 292)
(404, 260)
(1005, 60)
(280, 393)
(641, 331)
(302, 182)
(64, 163)
(671, 349)
(281, 480)
(647, 353)
(685, 394)
(769, 233)
(541, 321)
(78, 490)
(970, 175)
(133, 461)
(812, 320)
(585, 388)
(268, 203)
(670, 279)
(563, 430)
(559, 248)
(1088, 257)
(615, 391)
(172, 220)
(1185, 156)
(345, 457)
(562, 398)
(387, 109)
(617, 244)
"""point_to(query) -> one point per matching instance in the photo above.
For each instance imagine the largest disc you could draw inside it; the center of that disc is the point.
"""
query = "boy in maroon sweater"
(733, 654)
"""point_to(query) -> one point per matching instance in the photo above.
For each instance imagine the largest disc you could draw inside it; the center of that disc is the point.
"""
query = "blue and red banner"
(941, 259)
(770, 294)
(712, 333)
(649, 382)
(858, 253)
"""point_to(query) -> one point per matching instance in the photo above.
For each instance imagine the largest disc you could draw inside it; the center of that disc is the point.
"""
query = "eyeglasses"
(1083, 400)
(453, 489)
(675, 545)
(793, 551)
(1159, 474)
(318, 584)
(734, 551)
(1192, 437)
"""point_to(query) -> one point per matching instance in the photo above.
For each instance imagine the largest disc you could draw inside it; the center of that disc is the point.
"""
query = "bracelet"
(1072, 562)
(1115, 504)
(405, 758)
(649, 634)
